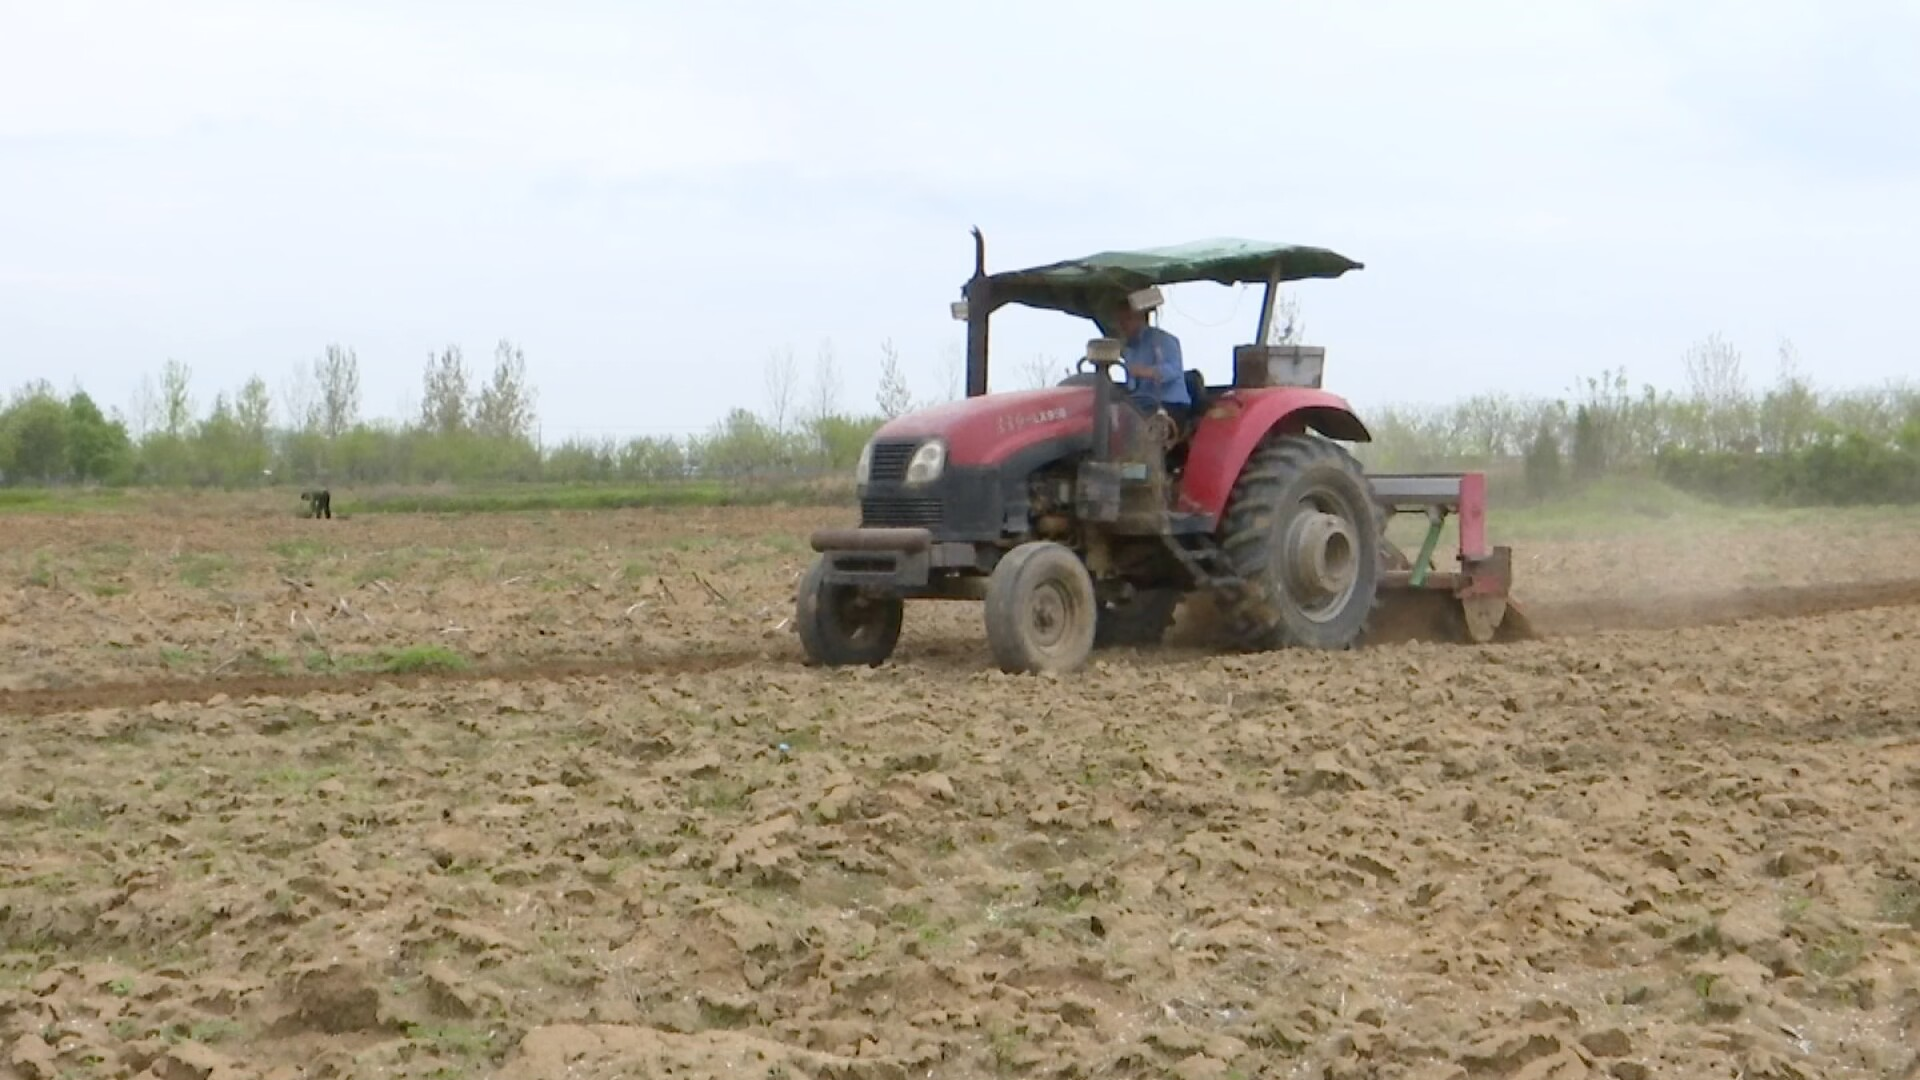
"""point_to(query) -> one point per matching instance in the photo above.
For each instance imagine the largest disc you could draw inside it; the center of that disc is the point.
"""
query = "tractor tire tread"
(1249, 614)
(824, 641)
(1004, 608)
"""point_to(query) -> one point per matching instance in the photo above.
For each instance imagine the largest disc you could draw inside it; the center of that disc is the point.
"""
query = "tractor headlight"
(863, 470)
(927, 463)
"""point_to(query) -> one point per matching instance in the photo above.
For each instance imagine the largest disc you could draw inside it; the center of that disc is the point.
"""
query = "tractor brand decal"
(1016, 422)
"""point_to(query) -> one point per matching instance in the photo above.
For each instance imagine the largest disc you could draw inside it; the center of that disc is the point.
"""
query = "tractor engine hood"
(987, 430)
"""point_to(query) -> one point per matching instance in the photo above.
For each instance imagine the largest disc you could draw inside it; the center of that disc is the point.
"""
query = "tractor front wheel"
(841, 626)
(1041, 610)
(1303, 533)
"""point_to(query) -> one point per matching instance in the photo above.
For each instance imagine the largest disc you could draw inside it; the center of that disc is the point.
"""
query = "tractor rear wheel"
(1303, 532)
(841, 626)
(1140, 620)
(1041, 610)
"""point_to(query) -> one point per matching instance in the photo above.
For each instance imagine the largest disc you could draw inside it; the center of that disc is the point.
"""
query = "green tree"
(1543, 467)
(443, 405)
(1909, 437)
(742, 445)
(1718, 389)
(505, 408)
(583, 461)
(98, 449)
(338, 373)
(219, 446)
(1589, 449)
(176, 399)
(33, 437)
(842, 438)
(1790, 411)
(893, 397)
(649, 458)
(254, 410)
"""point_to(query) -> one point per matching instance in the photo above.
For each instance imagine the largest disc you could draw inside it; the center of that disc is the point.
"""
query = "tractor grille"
(900, 513)
(889, 464)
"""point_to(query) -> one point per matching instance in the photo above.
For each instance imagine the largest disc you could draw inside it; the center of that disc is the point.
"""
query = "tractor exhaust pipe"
(1102, 418)
(1103, 353)
(977, 307)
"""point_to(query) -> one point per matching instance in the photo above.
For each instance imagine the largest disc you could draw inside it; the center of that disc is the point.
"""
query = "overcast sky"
(651, 198)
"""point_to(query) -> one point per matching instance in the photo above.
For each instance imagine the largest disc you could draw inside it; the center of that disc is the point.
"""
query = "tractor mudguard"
(1237, 420)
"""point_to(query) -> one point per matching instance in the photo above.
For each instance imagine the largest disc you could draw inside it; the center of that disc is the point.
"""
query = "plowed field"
(550, 795)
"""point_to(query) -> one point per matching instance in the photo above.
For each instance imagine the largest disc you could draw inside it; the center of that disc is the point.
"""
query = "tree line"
(1719, 436)
(470, 427)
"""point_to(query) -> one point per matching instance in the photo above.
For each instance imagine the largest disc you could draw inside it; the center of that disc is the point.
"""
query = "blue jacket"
(1168, 384)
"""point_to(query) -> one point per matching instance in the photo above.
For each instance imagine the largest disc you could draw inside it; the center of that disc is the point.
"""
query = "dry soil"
(551, 796)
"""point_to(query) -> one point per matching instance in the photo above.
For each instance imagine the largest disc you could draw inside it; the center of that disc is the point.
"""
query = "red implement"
(1419, 600)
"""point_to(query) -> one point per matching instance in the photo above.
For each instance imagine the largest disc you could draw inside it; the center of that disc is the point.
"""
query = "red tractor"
(1080, 521)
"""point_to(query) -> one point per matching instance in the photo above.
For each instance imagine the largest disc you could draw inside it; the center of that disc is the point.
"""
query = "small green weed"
(176, 658)
(203, 571)
(387, 566)
(43, 575)
(1901, 904)
(297, 779)
(302, 550)
(720, 795)
(453, 1040)
(413, 658)
(422, 658)
(207, 1032)
(1836, 954)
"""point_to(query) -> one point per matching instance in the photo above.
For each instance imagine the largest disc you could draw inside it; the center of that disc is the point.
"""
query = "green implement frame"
(1422, 566)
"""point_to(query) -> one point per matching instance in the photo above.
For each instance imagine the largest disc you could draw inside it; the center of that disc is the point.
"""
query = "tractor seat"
(1197, 390)
(1197, 394)
(1183, 438)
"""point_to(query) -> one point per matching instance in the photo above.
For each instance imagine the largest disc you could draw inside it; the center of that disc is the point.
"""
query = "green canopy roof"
(1092, 284)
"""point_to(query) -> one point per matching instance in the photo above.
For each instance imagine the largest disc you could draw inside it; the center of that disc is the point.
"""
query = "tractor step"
(1202, 558)
(1189, 523)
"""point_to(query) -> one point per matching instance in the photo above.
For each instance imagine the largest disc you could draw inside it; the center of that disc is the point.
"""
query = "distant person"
(1156, 372)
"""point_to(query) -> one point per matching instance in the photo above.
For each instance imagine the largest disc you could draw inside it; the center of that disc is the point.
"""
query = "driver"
(1156, 373)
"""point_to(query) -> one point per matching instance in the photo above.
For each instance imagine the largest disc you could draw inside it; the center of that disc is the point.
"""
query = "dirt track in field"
(40, 702)
(635, 835)
(1567, 618)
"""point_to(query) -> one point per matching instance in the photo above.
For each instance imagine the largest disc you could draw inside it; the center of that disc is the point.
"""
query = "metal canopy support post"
(1267, 306)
